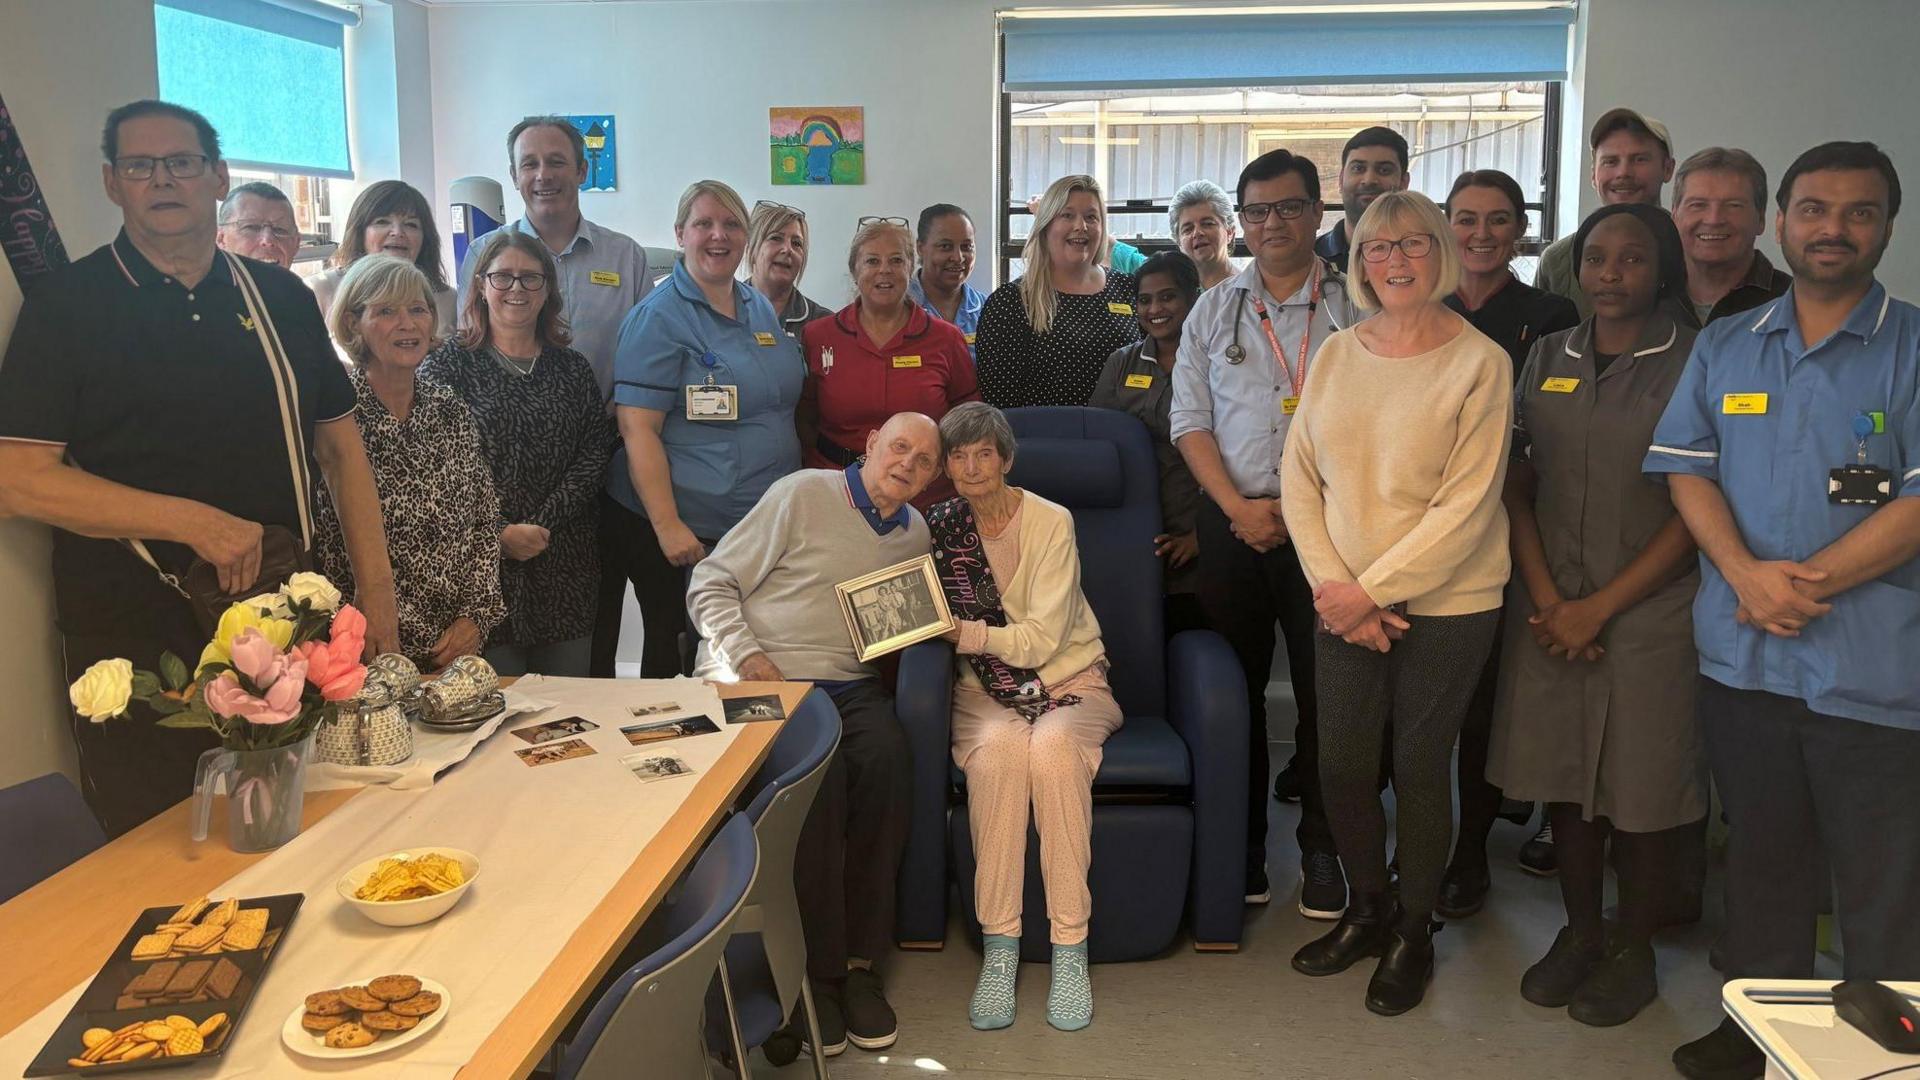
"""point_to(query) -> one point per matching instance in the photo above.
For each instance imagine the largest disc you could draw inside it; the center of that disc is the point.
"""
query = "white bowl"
(408, 912)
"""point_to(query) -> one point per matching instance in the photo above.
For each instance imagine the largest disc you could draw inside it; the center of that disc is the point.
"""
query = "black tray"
(96, 1007)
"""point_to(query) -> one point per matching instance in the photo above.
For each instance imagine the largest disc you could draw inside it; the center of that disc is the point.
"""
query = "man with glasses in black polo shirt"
(139, 400)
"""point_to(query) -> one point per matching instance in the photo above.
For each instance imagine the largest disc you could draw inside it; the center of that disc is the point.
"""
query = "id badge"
(712, 402)
(1859, 485)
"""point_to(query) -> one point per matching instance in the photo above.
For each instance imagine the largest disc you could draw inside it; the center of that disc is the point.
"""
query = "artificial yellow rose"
(238, 619)
(319, 593)
(103, 690)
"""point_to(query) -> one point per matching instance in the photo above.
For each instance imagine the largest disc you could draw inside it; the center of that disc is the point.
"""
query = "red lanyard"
(1306, 333)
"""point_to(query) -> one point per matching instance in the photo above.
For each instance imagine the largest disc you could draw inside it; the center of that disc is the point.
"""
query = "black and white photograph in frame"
(893, 608)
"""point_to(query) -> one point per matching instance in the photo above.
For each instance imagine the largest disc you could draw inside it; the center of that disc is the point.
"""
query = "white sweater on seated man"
(765, 595)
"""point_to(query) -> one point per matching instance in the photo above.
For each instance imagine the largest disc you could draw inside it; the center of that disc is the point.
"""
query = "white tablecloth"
(551, 841)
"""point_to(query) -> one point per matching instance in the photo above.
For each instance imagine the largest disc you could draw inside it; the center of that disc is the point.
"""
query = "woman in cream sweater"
(1031, 707)
(1390, 485)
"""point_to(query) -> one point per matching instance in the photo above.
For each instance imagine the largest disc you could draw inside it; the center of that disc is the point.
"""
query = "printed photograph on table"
(818, 144)
(893, 608)
(556, 729)
(743, 710)
(596, 130)
(663, 730)
(548, 753)
(660, 708)
(651, 768)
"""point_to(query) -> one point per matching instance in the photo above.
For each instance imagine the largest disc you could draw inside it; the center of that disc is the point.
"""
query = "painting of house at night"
(818, 145)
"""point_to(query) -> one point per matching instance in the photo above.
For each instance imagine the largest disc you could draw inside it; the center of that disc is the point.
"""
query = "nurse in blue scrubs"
(705, 384)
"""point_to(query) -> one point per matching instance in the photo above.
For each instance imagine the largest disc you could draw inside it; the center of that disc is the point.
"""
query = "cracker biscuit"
(358, 998)
(240, 938)
(93, 1037)
(212, 1024)
(200, 938)
(349, 1036)
(387, 1021)
(153, 946)
(255, 917)
(173, 928)
(424, 1003)
(151, 982)
(188, 981)
(316, 1022)
(180, 1023)
(394, 987)
(185, 1042)
(327, 1003)
(223, 914)
(190, 911)
(156, 1031)
(224, 980)
(137, 1051)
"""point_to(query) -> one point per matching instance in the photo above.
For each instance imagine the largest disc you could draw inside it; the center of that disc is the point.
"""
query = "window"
(314, 199)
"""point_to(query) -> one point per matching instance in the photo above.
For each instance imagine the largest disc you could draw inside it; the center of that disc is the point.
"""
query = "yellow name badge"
(763, 337)
(969, 338)
(1743, 404)
(604, 277)
(1289, 405)
(906, 361)
(1139, 382)
(1120, 309)
(1560, 385)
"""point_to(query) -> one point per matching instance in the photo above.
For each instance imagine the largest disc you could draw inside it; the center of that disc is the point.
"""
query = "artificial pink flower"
(334, 668)
(253, 656)
(348, 621)
(281, 704)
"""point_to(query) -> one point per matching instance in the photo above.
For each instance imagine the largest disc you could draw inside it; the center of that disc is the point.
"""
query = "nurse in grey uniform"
(1595, 709)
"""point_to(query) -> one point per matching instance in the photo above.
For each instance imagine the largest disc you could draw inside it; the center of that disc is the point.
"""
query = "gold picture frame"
(893, 608)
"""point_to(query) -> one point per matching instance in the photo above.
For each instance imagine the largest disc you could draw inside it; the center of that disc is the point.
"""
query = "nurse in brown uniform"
(1595, 709)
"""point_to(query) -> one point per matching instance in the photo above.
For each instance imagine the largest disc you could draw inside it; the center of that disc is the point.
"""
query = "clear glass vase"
(265, 791)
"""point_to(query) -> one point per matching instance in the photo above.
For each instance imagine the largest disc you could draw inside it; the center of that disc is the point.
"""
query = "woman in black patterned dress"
(436, 493)
(546, 436)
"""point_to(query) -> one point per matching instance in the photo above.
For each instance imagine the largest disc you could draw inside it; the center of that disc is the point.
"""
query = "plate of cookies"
(362, 1018)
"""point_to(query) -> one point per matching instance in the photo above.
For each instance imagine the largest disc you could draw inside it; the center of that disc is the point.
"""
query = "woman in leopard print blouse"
(436, 493)
(545, 433)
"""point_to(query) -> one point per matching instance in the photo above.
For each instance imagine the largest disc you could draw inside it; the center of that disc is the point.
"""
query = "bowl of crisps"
(407, 888)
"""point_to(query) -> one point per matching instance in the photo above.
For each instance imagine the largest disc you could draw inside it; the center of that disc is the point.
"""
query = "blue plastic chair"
(649, 1021)
(44, 826)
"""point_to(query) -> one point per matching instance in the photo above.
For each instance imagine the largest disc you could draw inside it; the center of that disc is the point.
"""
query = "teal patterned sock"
(1070, 997)
(992, 1004)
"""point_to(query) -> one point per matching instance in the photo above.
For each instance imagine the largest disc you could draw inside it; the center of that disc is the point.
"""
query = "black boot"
(1405, 969)
(1463, 890)
(1723, 1054)
(1621, 985)
(1553, 979)
(1362, 931)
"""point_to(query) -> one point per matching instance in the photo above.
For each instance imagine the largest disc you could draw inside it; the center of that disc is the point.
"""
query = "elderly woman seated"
(436, 491)
(1031, 707)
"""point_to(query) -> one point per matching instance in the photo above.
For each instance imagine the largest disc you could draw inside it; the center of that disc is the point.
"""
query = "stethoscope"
(1236, 353)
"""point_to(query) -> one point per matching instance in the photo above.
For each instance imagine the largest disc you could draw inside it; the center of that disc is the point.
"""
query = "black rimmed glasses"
(1288, 209)
(1416, 246)
(503, 281)
(879, 219)
(179, 166)
(769, 204)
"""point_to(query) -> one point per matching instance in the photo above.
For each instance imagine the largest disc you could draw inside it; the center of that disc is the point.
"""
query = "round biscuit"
(350, 1036)
(358, 999)
(394, 987)
(387, 1021)
(157, 1032)
(327, 1003)
(317, 1022)
(93, 1037)
(424, 1003)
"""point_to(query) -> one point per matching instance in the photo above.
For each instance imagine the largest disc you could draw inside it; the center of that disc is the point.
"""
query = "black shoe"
(1621, 985)
(1286, 785)
(1463, 890)
(1323, 886)
(1406, 967)
(1362, 931)
(832, 1018)
(1552, 981)
(1537, 855)
(1259, 891)
(870, 1021)
(1725, 1054)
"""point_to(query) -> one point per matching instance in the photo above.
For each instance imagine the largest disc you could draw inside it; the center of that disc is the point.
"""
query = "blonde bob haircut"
(1407, 212)
(375, 281)
(768, 219)
(728, 199)
(882, 232)
(1036, 285)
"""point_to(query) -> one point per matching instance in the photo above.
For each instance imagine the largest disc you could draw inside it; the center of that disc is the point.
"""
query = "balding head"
(903, 457)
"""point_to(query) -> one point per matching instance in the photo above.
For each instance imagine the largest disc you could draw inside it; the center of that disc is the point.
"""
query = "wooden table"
(60, 932)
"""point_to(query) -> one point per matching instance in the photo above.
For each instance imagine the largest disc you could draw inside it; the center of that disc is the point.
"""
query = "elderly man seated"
(764, 604)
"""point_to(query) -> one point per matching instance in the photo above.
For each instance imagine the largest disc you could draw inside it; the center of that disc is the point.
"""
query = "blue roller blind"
(1279, 49)
(269, 74)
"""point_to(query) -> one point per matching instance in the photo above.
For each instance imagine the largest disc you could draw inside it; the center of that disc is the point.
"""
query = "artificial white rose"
(103, 690)
(315, 589)
(270, 604)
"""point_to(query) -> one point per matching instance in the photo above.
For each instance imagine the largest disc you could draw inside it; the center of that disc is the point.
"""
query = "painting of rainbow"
(818, 145)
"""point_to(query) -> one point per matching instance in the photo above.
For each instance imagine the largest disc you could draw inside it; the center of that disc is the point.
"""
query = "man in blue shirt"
(1793, 449)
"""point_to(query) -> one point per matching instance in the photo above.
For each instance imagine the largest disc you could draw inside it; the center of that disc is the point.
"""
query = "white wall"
(1773, 77)
(60, 75)
(689, 84)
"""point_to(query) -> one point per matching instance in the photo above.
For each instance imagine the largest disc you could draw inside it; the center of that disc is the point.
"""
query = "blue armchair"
(1170, 810)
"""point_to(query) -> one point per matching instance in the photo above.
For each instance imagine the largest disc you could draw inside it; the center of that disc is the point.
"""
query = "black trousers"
(848, 862)
(1797, 784)
(130, 767)
(630, 553)
(1479, 800)
(1245, 594)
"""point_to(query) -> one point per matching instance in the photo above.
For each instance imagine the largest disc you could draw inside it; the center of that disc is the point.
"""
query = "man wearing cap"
(1632, 162)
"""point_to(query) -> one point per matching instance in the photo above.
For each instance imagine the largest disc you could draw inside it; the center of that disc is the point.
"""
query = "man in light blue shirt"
(1792, 445)
(602, 273)
(1242, 362)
